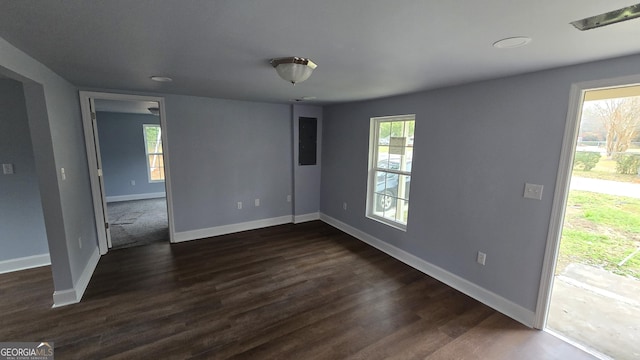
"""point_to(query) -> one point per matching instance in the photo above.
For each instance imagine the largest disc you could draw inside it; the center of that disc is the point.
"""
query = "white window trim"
(371, 177)
(147, 153)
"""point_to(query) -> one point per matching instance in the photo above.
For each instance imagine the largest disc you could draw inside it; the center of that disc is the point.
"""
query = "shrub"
(627, 163)
(586, 160)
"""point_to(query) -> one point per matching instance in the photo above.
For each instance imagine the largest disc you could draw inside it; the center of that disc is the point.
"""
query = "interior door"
(96, 141)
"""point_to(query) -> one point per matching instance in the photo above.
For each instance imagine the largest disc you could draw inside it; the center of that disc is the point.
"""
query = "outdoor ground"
(598, 309)
(595, 299)
(601, 230)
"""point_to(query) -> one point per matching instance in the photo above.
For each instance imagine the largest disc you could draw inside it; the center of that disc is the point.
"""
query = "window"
(153, 151)
(391, 155)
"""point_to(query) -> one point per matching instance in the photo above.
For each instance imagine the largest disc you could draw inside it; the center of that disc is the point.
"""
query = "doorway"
(126, 145)
(595, 278)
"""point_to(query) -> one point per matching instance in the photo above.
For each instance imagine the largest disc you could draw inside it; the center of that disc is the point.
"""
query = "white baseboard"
(135, 197)
(23, 263)
(231, 228)
(297, 219)
(74, 295)
(481, 294)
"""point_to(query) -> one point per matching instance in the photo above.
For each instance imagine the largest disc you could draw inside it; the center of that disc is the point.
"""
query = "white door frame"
(572, 124)
(85, 98)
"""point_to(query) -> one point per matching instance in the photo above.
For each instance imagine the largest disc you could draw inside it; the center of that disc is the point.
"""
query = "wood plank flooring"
(305, 291)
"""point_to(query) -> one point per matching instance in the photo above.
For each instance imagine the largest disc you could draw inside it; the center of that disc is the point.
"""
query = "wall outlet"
(482, 258)
(133, 183)
(257, 202)
(7, 169)
(344, 205)
(80, 241)
(63, 175)
(239, 205)
(288, 198)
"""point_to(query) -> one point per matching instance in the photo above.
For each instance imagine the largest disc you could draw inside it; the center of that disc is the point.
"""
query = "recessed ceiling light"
(303, 98)
(512, 42)
(161, 78)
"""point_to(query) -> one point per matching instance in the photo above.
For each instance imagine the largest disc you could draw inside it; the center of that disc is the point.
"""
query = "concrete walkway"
(605, 187)
(598, 309)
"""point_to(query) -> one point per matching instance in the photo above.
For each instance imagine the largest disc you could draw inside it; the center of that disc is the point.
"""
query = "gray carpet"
(138, 222)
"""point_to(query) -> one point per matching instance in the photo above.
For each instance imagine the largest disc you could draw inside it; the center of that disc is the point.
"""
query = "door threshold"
(582, 347)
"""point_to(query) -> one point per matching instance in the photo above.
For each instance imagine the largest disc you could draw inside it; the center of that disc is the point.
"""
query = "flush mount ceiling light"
(303, 98)
(512, 42)
(161, 78)
(293, 69)
(608, 18)
(154, 111)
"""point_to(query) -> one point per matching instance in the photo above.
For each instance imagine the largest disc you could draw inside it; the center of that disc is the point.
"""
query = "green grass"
(601, 230)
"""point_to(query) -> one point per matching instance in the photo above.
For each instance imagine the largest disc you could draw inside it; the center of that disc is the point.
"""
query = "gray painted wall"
(56, 132)
(22, 231)
(123, 154)
(475, 147)
(306, 178)
(222, 152)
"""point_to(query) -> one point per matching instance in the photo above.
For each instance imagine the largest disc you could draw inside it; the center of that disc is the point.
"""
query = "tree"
(621, 119)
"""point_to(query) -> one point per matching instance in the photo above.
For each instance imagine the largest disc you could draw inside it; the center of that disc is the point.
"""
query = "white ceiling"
(364, 48)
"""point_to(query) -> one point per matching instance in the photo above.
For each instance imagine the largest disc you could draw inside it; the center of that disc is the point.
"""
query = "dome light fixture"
(293, 69)
(159, 78)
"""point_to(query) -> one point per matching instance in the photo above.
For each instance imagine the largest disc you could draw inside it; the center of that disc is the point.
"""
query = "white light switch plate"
(533, 191)
(7, 169)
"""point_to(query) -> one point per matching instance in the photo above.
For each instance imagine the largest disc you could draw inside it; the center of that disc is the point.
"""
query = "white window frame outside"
(146, 150)
(373, 168)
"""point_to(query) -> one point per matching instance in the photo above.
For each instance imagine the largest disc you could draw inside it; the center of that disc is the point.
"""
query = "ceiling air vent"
(609, 18)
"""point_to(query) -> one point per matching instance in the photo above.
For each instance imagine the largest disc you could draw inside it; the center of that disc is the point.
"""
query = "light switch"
(7, 169)
(63, 175)
(533, 191)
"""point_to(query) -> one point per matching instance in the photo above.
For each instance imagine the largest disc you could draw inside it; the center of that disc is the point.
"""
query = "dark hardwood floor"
(304, 291)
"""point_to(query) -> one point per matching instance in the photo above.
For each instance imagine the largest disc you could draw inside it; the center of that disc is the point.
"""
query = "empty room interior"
(294, 179)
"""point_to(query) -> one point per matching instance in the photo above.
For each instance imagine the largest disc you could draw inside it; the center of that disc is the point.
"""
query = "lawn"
(605, 169)
(601, 230)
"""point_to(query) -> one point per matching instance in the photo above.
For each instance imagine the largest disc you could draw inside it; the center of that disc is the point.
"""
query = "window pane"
(383, 157)
(156, 167)
(157, 174)
(153, 139)
(381, 181)
(403, 186)
(384, 133)
(397, 128)
(404, 211)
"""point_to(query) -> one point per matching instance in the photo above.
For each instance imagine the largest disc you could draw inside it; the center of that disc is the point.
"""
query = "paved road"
(605, 187)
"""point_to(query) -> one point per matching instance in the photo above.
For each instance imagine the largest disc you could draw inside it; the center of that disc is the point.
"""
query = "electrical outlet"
(344, 205)
(7, 169)
(133, 183)
(288, 198)
(482, 258)
(239, 205)
(63, 175)
(257, 202)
